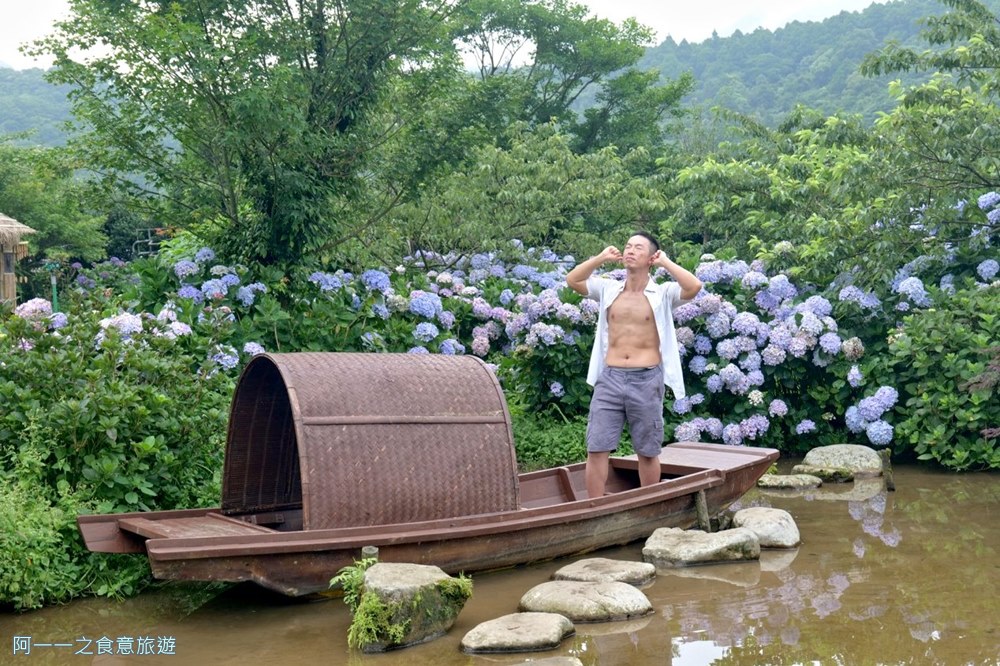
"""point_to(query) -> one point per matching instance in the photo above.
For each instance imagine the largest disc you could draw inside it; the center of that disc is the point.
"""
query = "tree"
(548, 57)
(37, 188)
(257, 120)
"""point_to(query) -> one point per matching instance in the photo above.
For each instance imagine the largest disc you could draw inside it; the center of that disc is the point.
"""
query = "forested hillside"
(764, 73)
(30, 104)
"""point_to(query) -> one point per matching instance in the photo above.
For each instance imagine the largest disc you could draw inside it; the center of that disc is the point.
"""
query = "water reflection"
(880, 578)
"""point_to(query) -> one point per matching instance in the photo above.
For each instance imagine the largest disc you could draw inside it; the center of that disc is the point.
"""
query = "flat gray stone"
(604, 570)
(518, 632)
(789, 481)
(829, 474)
(587, 602)
(775, 528)
(854, 457)
(674, 547)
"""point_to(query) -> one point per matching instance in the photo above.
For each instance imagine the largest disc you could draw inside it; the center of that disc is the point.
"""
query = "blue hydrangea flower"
(754, 426)
(451, 347)
(506, 296)
(446, 318)
(425, 331)
(191, 292)
(230, 279)
(246, 296)
(879, 433)
(326, 281)
(714, 383)
(913, 288)
(375, 281)
(853, 420)
(226, 357)
(854, 376)
(772, 355)
(988, 201)
(777, 408)
(697, 364)
(214, 289)
(380, 310)
(988, 269)
(417, 350)
(681, 406)
(556, 389)
(717, 325)
(204, 255)
(425, 304)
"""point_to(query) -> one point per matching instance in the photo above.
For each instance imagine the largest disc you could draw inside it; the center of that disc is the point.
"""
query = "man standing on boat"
(635, 354)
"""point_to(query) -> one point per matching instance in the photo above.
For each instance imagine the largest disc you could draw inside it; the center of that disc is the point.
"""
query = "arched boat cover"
(358, 439)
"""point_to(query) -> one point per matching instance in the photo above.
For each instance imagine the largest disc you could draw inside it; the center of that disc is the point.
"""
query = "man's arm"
(689, 284)
(576, 279)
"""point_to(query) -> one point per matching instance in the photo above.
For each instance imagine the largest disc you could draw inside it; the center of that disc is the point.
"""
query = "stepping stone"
(855, 457)
(518, 632)
(419, 598)
(604, 570)
(673, 547)
(775, 528)
(789, 481)
(587, 602)
(829, 474)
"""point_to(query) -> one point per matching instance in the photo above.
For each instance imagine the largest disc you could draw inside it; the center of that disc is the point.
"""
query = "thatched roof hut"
(12, 249)
(11, 231)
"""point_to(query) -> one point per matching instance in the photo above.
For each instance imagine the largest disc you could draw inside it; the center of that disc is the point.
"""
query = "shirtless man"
(635, 354)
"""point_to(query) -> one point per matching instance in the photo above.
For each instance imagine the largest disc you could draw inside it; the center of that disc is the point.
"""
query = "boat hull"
(300, 562)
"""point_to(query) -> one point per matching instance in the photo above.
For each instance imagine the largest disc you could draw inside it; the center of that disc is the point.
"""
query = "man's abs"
(632, 338)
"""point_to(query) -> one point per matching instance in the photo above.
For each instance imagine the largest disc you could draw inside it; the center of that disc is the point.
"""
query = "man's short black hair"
(652, 241)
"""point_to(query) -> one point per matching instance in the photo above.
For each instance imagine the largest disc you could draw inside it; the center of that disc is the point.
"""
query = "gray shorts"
(629, 395)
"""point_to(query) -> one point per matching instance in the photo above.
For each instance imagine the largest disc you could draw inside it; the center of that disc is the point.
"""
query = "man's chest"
(631, 309)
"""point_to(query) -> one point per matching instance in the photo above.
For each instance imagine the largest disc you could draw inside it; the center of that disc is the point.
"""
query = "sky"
(22, 20)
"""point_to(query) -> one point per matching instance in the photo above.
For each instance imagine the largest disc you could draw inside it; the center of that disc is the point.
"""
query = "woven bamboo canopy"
(11, 230)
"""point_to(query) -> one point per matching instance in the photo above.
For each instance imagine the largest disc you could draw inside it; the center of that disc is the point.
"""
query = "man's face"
(638, 252)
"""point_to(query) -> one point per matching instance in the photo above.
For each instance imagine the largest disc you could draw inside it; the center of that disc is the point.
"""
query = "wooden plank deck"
(209, 525)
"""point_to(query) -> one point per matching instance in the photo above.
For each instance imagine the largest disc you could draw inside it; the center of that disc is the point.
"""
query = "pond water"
(904, 577)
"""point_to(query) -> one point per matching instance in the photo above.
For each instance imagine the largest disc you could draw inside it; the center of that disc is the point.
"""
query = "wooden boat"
(293, 536)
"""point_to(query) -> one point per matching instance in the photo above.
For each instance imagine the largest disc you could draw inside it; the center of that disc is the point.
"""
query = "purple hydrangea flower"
(184, 268)
(58, 320)
(754, 426)
(772, 355)
(805, 426)
(417, 350)
(717, 325)
(253, 348)
(702, 344)
(830, 343)
(777, 408)
(854, 376)
(853, 420)
(754, 280)
(191, 292)
(446, 318)
(732, 434)
(556, 389)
